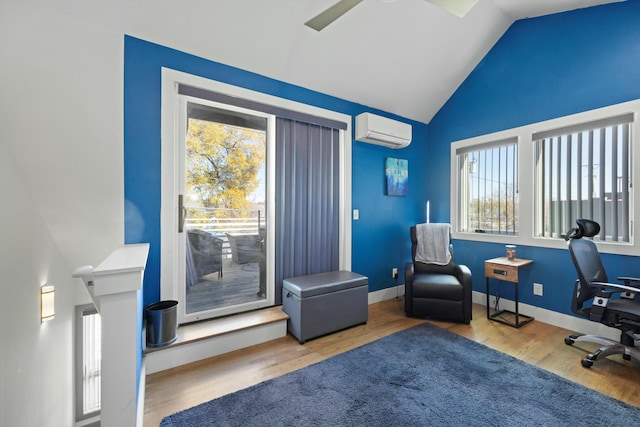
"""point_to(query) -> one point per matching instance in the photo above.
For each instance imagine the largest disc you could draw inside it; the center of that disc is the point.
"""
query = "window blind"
(88, 362)
(307, 200)
(583, 171)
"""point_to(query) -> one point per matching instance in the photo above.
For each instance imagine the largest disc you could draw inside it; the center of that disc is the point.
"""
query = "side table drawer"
(508, 273)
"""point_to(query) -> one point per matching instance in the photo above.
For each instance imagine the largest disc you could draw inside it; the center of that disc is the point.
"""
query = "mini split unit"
(382, 131)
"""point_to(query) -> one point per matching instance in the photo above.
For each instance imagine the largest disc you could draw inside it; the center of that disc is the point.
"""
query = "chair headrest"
(585, 228)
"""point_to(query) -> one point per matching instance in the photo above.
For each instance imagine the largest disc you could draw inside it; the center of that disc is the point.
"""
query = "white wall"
(35, 359)
(61, 192)
(62, 114)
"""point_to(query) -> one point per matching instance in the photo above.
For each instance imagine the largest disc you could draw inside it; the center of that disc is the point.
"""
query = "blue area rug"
(422, 376)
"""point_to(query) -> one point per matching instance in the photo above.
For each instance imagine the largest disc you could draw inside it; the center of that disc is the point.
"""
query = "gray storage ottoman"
(323, 303)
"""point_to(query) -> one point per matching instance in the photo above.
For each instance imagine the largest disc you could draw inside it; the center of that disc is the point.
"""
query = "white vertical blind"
(91, 361)
(307, 200)
(584, 172)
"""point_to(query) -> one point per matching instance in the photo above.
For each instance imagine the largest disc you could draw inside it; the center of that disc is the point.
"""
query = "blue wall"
(380, 237)
(542, 68)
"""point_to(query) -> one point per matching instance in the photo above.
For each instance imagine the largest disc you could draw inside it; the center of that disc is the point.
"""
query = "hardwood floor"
(537, 343)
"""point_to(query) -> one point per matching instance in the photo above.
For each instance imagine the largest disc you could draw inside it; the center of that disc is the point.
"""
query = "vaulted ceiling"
(402, 56)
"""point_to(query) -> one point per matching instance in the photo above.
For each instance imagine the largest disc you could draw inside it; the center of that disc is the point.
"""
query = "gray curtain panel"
(307, 200)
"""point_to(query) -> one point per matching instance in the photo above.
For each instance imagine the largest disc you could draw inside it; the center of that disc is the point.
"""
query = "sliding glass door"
(255, 189)
(222, 201)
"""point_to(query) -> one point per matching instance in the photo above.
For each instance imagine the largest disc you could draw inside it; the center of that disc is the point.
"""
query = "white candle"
(428, 211)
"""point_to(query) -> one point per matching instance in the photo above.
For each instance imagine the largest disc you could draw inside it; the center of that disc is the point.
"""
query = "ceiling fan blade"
(334, 12)
(457, 7)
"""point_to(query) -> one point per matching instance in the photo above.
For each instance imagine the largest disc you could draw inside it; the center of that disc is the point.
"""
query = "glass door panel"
(224, 211)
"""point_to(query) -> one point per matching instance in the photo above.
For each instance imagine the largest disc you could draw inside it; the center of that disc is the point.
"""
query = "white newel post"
(118, 288)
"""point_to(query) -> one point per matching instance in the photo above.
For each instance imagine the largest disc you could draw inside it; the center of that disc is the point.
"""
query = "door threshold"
(207, 329)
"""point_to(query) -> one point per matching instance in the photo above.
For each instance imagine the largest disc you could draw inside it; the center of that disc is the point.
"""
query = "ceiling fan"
(457, 7)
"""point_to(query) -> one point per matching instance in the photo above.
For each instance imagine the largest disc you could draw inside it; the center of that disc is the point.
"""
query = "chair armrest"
(628, 280)
(408, 289)
(408, 273)
(613, 288)
(464, 275)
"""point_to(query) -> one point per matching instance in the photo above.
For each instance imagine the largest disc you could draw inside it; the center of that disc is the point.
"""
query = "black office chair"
(598, 300)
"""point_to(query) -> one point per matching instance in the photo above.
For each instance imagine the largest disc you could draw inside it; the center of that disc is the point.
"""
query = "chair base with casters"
(629, 344)
(608, 348)
(614, 305)
(439, 292)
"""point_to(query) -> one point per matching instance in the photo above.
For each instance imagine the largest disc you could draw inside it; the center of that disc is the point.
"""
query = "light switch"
(356, 214)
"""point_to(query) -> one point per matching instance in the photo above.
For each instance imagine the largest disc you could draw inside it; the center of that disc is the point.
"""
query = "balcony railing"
(244, 222)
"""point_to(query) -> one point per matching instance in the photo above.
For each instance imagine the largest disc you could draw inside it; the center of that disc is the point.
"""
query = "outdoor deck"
(239, 284)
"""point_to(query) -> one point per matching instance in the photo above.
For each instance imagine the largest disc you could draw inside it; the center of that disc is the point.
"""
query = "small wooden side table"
(505, 269)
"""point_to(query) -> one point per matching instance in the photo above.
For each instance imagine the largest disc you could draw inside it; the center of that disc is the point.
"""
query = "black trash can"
(161, 319)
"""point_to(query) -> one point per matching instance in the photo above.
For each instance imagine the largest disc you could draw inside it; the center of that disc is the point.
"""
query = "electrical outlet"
(356, 214)
(537, 289)
(394, 273)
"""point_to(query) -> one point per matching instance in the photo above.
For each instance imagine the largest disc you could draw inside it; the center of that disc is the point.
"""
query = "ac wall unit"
(382, 131)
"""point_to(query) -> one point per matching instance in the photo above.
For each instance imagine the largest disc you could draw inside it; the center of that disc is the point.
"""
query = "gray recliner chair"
(441, 292)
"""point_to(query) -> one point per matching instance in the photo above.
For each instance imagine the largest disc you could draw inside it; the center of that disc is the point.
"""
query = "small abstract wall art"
(396, 173)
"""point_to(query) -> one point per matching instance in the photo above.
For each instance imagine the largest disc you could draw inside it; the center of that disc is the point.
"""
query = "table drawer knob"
(501, 272)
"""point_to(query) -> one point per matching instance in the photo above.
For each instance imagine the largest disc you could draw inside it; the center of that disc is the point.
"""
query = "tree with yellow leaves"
(222, 165)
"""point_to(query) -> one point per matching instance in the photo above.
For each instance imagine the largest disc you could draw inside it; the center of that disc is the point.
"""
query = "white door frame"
(171, 128)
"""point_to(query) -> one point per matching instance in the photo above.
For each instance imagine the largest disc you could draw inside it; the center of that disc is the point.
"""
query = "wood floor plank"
(537, 343)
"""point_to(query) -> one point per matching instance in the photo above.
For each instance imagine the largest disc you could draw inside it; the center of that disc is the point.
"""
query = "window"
(583, 171)
(88, 362)
(528, 185)
(488, 187)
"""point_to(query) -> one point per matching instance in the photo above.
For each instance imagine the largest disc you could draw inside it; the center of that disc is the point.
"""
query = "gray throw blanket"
(433, 243)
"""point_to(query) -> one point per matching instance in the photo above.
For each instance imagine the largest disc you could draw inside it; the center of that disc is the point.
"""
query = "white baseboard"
(565, 321)
(560, 320)
(386, 294)
(198, 350)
